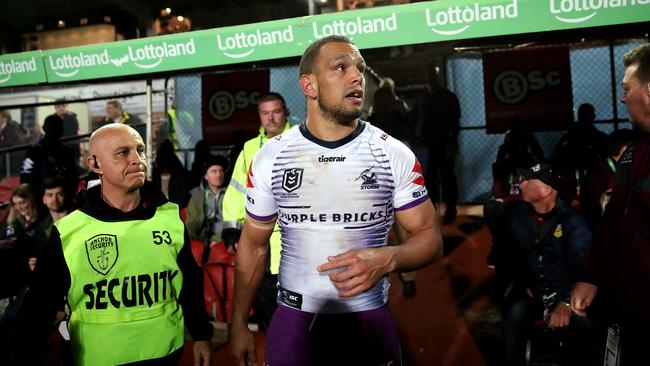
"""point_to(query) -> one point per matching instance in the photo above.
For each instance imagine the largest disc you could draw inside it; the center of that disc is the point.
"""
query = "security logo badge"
(292, 179)
(102, 252)
(558, 231)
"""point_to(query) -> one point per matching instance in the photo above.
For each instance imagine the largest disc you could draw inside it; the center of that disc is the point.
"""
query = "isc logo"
(223, 104)
(512, 86)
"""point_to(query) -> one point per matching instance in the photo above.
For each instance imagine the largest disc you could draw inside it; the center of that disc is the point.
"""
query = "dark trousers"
(634, 343)
(441, 177)
(584, 340)
(265, 301)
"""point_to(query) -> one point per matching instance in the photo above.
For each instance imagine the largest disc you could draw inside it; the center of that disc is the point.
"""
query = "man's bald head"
(117, 154)
(109, 130)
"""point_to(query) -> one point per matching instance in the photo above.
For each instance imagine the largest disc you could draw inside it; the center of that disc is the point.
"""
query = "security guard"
(123, 264)
(273, 113)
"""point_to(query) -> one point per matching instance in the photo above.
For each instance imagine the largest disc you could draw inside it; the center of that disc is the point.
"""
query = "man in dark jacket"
(115, 114)
(11, 134)
(618, 265)
(542, 245)
(50, 158)
(123, 264)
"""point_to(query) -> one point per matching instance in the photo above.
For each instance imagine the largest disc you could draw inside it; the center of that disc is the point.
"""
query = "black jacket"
(51, 280)
(542, 256)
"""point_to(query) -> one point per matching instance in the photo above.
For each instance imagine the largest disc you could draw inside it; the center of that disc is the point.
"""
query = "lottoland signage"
(579, 11)
(457, 19)
(22, 68)
(114, 61)
(243, 44)
(422, 22)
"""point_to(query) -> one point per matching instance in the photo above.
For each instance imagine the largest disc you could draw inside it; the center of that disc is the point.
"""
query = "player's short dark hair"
(309, 57)
(641, 55)
(53, 182)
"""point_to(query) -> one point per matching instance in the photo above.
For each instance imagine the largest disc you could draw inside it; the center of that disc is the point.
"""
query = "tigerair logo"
(356, 26)
(11, 67)
(146, 56)
(457, 19)
(243, 44)
(578, 11)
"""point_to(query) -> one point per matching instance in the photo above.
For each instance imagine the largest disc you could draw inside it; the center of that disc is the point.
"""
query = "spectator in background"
(390, 113)
(70, 128)
(201, 156)
(11, 134)
(54, 199)
(437, 117)
(116, 114)
(205, 209)
(17, 259)
(169, 175)
(599, 181)
(578, 150)
(49, 158)
(543, 243)
(519, 150)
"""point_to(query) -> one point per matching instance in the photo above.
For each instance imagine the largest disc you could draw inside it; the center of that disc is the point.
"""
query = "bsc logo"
(102, 252)
(292, 179)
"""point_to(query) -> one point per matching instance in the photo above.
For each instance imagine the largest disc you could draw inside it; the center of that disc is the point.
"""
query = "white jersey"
(328, 198)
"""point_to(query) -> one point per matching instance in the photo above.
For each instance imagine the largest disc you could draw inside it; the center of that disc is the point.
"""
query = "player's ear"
(309, 85)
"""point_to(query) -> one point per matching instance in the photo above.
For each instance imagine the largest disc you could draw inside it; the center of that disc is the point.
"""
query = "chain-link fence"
(596, 72)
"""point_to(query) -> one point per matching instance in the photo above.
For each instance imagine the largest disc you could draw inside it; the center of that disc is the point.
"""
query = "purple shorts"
(363, 338)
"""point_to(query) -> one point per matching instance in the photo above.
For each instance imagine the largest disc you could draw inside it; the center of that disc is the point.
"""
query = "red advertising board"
(229, 104)
(531, 86)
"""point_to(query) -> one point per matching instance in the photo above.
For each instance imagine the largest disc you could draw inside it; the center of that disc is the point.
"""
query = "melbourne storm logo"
(292, 179)
(369, 179)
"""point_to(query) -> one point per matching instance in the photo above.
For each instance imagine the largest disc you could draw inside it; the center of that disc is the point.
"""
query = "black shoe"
(408, 288)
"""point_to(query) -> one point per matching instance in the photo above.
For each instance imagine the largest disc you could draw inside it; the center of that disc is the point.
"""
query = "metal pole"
(149, 142)
(614, 84)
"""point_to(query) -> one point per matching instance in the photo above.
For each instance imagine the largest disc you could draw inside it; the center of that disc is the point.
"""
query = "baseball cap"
(544, 172)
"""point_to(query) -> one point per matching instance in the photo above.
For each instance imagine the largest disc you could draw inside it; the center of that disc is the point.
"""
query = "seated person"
(204, 211)
(542, 244)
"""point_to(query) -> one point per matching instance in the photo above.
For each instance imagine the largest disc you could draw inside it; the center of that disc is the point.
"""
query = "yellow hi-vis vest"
(234, 201)
(125, 283)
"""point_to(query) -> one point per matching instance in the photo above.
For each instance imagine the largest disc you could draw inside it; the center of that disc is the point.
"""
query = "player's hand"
(581, 297)
(359, 269)
(560, 316)
(202, 353)
(242, 346)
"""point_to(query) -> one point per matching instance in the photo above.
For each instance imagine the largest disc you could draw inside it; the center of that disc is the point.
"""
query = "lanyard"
(216, 202)
(611, 164)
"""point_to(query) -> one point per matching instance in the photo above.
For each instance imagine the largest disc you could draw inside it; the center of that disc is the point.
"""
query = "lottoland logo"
(11, 67)
(356, 26)
(145, 57)
(578, 11)
(457, 19)
(242, 44)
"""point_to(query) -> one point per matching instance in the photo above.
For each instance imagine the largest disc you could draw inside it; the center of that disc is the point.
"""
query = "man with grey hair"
(618, 265)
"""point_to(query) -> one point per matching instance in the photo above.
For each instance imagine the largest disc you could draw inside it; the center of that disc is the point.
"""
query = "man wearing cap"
(544, 241)
(205, 210)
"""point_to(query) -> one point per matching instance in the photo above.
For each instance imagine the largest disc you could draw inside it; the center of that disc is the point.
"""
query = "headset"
(95, 164)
